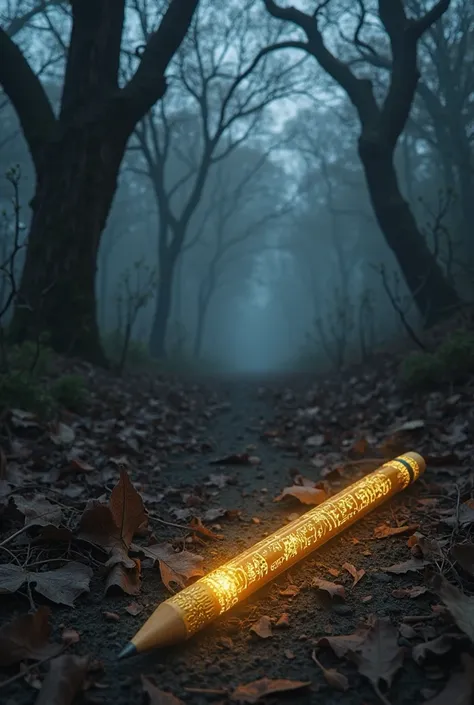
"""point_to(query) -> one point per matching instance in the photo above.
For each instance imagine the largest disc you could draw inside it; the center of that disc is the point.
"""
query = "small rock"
(342, 610)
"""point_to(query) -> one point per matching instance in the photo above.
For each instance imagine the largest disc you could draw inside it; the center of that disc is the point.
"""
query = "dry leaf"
(252, 692)
(62, 586)
(38, 511)
(459, 690)
(157, 696)
(356, 574)
(437, 647)
(63, 435)
(333, 589)
(379, 657)
(134, 609)
(306, 495)
(411, 592)
(413, 564)
(63, 681)
(127, 508)
(27, 637)
(262, 628)
(233, 459)
(175, 567)
(196, 525)
(127, 579)
(283, 621)
(290, 591)
(383, 531)
(336, 680)
(346, 643)
(460, 605)
(70, 636)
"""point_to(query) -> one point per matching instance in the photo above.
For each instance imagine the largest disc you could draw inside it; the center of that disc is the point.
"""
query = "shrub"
(70, 391)
(23, 391)
(453, 361)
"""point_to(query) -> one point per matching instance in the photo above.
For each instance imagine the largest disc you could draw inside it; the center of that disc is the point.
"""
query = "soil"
(227, 653)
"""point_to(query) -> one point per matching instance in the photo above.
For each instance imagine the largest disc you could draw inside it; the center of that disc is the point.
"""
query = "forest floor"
(222, 452)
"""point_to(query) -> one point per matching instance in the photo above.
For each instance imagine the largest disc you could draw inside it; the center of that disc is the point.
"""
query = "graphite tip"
(127, 651)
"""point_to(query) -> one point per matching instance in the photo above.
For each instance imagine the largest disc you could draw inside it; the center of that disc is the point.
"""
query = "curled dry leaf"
(306, 495)
(262, 628)
(252, 692)
(157, 696)
(379, 657)
(333, 589)
(383, 531)
(175, 567)
(336, 680)
(436, 647)
(460, 605)
(27, 637)
(356, 574)
(134, 609)
(63, 681)
(127, 579)
(196, 525)
(62, 586)
(290, 590)
(62, 435)
(233, 459)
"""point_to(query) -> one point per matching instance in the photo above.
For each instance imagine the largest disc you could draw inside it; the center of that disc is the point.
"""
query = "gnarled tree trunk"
(432, 293)
(74, 193)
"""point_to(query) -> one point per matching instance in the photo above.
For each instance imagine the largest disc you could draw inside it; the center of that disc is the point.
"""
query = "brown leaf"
(127, 508)
(379, 657)
(252, 692)
(290, 591)
(356, 574)
(70, 636)
(196, 525)
(383, 531)
(411, 592)
(460, 605)
(306, 495)
(335, 679)
(459, 690)
(463, 553)
(436, 647)
(157, 696)
(127, 579)
(27, 637)
(333, 589)
(175, 567)
(346, 643)
(134, 609)
(63, 681)
(62, 585)
(413, 564)
(262, 628)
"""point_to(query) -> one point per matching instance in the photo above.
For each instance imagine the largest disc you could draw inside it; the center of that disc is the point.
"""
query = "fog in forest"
(270, 214)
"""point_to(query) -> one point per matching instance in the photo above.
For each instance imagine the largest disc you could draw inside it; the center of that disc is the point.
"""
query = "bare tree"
(77, 156)
(382, 121)
(224, 92)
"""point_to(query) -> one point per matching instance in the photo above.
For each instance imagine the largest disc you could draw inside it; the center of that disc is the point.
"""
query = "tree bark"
(70, 209)
(432, 293)
(77, 158)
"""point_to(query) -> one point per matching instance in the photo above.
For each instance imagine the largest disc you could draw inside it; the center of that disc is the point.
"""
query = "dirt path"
(228, 654)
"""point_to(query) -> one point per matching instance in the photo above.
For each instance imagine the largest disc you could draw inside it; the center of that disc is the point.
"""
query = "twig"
(168, 523)
(207, 691)
(379, 693)
(29, 668)
(17, 533)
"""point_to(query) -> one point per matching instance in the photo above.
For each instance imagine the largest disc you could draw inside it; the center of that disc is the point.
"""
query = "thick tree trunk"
(157, 345)
(74, 193)
(434, 296)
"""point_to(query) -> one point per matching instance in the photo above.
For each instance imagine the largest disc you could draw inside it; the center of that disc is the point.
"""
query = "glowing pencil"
(196, 606)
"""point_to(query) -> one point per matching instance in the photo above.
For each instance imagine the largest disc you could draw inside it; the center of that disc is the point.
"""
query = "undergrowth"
(451, 363)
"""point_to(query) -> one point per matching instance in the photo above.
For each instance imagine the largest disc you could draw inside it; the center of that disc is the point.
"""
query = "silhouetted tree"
(382, 122)
(77, 156)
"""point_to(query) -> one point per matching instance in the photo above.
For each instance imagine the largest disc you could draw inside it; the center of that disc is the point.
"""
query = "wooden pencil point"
(184, 614)
(127, 651)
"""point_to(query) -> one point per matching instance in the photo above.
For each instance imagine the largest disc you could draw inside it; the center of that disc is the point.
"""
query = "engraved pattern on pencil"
(196, 607)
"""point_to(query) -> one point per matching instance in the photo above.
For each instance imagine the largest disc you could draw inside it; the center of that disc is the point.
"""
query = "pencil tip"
(127, 651)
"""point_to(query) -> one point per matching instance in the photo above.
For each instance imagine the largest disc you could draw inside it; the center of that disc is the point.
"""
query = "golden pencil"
(185, 613)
